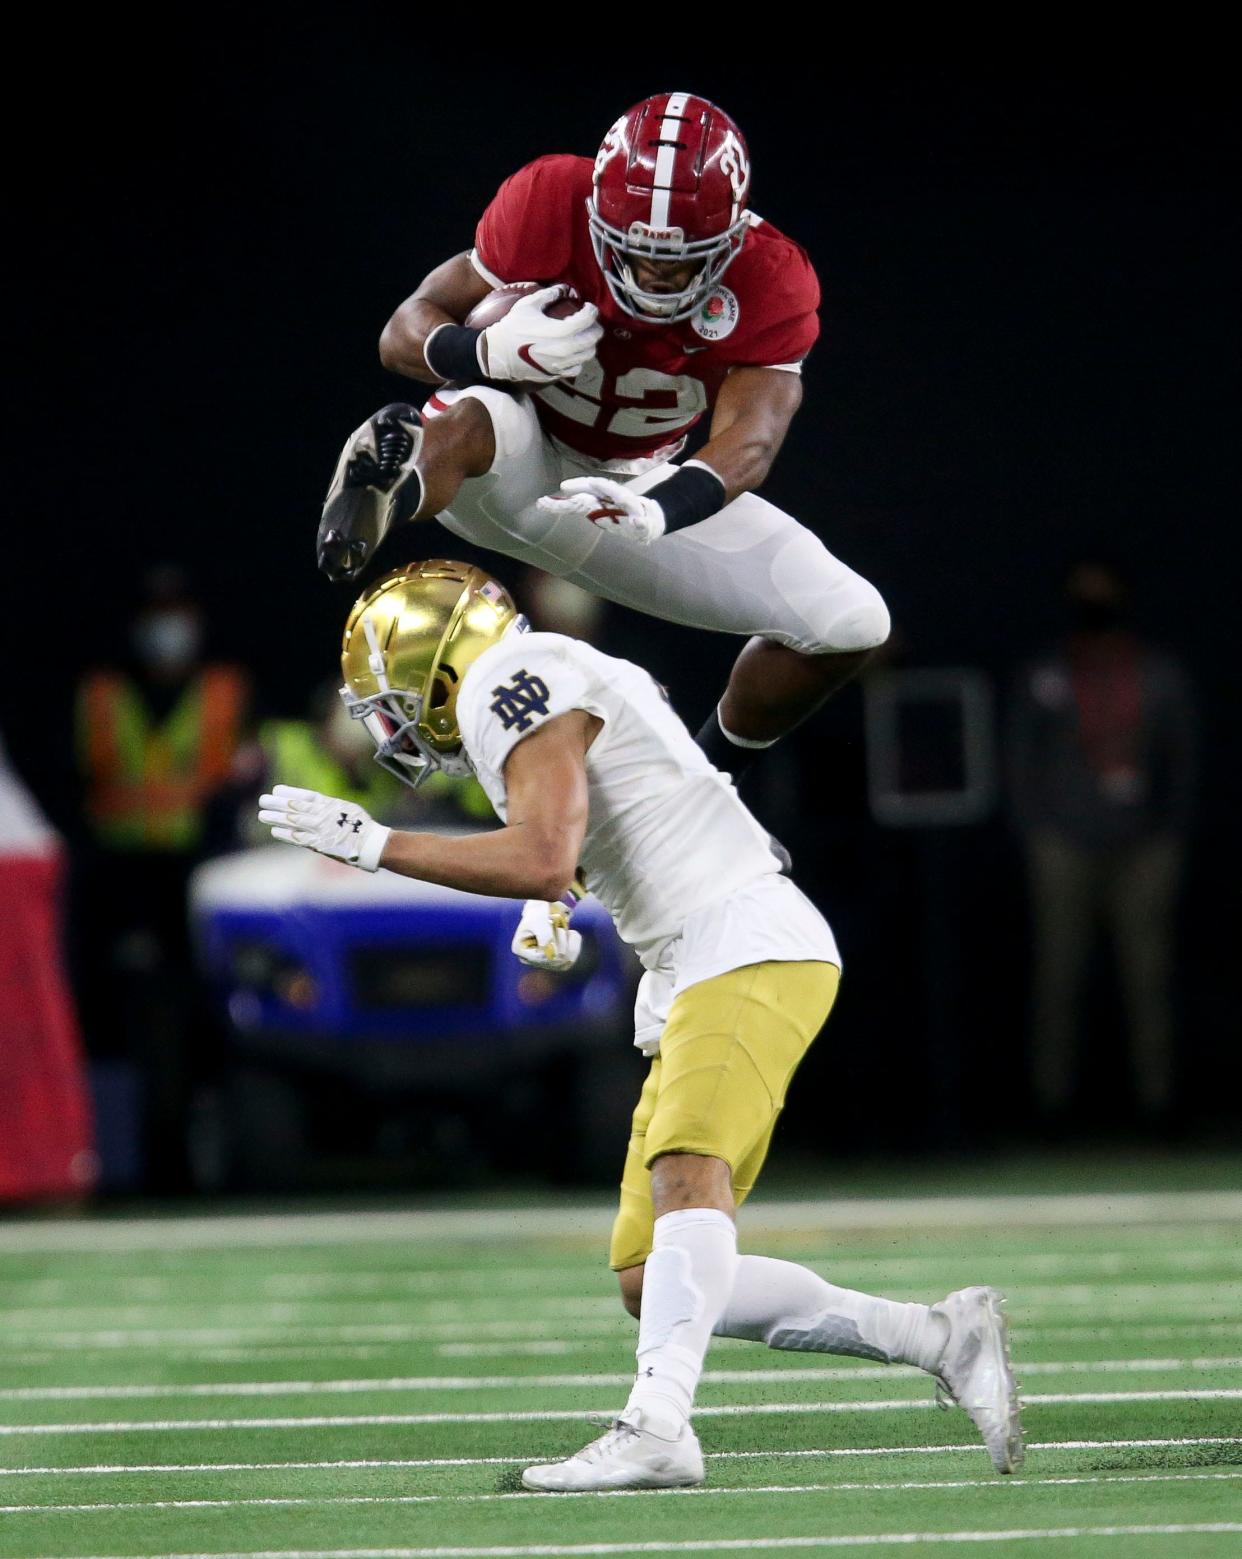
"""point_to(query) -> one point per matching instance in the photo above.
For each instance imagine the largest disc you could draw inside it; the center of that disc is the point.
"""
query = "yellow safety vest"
(295, 757)
(147, 780)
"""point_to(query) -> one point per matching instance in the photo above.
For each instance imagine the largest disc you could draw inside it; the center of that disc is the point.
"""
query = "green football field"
(362, 1383)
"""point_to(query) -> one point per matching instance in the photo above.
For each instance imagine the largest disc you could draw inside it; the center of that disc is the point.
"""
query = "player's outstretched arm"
(535, 856)
(444, 297)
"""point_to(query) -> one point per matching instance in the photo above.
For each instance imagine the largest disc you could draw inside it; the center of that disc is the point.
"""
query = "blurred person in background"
(156, 737)
(329, 752)
(1102, 769)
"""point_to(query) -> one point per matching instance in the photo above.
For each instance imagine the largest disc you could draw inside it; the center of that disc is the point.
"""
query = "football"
(497, 304)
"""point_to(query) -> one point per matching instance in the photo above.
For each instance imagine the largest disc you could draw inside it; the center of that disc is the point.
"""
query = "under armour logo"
(524, 697)
(650, 1370)
(343, 822)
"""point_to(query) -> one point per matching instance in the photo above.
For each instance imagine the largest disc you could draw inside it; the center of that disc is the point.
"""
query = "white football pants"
(751, 569)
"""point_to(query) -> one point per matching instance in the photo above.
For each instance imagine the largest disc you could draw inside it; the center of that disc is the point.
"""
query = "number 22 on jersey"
(630, 404)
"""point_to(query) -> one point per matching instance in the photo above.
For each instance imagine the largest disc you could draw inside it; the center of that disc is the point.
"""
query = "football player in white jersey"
(590, 770)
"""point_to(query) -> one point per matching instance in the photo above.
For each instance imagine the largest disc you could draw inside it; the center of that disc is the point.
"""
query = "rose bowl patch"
(717, 316)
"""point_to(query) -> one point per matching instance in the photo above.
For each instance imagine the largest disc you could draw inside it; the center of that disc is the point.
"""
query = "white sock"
(788, 1306)
(742, 741)
(687, 1280)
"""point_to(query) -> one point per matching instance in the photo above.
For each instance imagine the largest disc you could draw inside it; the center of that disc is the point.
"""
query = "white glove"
(528, 346)
(617, 508)
(543, 939)
(324, 823)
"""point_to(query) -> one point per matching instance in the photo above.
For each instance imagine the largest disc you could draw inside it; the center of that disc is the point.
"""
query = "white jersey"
(682, 867)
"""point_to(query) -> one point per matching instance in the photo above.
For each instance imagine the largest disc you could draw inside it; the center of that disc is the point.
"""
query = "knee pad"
(840, 610)
(861, 622)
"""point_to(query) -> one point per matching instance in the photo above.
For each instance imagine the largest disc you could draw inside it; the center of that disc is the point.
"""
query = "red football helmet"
(671, 181)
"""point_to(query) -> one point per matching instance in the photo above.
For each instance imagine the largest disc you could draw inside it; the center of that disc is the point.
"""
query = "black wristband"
(690, 496)
(452, 352)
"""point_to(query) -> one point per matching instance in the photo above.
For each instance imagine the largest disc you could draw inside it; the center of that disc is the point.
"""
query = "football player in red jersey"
(552, 439)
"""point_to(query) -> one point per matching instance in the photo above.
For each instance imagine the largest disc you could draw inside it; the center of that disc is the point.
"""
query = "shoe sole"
(1015, 1449)
(357, 510)
(601, 1488)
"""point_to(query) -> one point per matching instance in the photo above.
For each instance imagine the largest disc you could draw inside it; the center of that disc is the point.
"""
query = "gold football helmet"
(408, 643)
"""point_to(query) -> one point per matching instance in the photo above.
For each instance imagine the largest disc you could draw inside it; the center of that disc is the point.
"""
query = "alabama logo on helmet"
(716, 316)
(670, 185)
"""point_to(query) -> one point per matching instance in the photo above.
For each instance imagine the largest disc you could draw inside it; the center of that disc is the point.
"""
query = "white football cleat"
(975, 1372)
(626, 1456)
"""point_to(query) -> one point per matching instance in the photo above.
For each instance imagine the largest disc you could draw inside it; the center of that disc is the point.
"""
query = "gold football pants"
(727, 1052)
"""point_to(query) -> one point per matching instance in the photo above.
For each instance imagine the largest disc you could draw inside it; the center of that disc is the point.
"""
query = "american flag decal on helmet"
(491, 591)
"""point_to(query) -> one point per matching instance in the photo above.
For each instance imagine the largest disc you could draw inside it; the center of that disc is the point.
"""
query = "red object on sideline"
(46, 1136)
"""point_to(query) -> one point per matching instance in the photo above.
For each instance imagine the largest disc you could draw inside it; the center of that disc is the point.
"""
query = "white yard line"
(500, 1350)
(592, 1221)
(722, 1544)
(612, 1323)
(841, 1268)
(565, 1415)
(406, 1383)
(551, 1347)
(28, 1330)
(147, 1469)
(692, 1493)
(1146, 1332)
(327, 1284)
(50, 1318)
(616, 1325)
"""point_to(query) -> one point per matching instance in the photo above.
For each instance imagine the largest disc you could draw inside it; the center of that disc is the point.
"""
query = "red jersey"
(649, 382)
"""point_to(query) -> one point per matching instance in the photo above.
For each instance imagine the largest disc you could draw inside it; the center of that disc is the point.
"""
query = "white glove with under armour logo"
(610, 504)
(543, 939)
(527, 346)
(325, 824)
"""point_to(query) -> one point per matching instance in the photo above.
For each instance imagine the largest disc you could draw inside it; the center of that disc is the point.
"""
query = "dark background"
(1029, 349)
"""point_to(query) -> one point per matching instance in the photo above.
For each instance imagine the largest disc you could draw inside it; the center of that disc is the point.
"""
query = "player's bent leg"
(772, 688)
(728, 1050)
(631, 1281)
(524, 467)
(396, 468)
(962, 1341)
(634, 1224)
(775, 685)
(686, 1281)
(751, 569)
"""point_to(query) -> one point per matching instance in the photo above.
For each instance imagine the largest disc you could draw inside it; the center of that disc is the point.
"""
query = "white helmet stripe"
(666, 157)
(375, 660)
